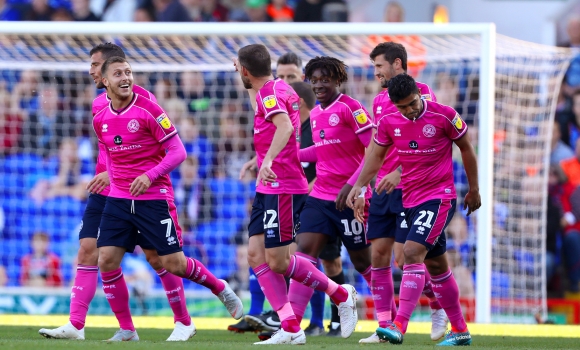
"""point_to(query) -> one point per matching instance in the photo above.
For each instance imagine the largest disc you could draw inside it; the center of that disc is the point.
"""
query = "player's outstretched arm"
(284, 131)
(472, 199)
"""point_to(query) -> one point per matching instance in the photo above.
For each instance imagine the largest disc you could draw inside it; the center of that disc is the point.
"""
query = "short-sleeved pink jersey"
(382, 105)
(273, 98)
(134, 138)
(339, 151)
(99, 103)
(424, 148)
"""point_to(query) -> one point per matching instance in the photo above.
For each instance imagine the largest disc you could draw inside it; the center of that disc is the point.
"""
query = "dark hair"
(290, 58)
(391, 51)
(108, 50)
(402, 86)
(335, 67)
(304, 91)
(110, 61)
(256, 59)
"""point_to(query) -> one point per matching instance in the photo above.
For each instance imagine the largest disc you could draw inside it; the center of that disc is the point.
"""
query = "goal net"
(49, 150)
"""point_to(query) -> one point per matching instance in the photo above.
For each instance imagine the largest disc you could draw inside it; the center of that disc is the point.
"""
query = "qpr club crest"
(133, 125)
(429, 130)
(333, 120)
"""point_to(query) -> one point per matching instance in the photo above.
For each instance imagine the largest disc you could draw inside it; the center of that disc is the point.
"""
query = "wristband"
(363, 191)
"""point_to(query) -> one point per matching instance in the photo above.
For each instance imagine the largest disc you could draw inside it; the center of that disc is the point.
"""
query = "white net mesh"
(47, 95)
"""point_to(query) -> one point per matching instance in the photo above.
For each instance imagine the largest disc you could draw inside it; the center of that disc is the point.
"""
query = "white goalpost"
(505, 88)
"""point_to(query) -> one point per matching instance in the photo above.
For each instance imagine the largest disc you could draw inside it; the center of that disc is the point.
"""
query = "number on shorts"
(422, 214)
(357, 227)
(273, 216)
(167, 222)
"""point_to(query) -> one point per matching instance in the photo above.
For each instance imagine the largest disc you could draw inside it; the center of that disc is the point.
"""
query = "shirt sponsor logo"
(118, 140)
(397, 132)
(105, 128)
(333, 120)
(429, 130)
(361, 116)
(133, 125)
(322, 134)
(326, 142)
(269, 101)
(457, 122)
(164, 121)
(413, 145)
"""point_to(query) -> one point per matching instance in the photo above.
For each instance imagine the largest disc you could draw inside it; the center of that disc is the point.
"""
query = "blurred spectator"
(461, 273)
(559, 150)
(114, 10)
(9, 12)
(70, 180)
(571, 167)
(82, 11)
(188, 192)
(3, 276)
(572, 80)
(193, 91)
(41, 268)
(164, 90)
(61, 14)
(138, 277)
(571, 126)
(11, 119)
(197, 145)
(446, 90)
(38, 10)
(213, 11)
(44, 126)
(554, 220)
(144, 14)
(309, 11)
(335, 11)
(395, 13)
(279, 11)
(25, 92)
(170, 11)
(233, 148)
(193, 8)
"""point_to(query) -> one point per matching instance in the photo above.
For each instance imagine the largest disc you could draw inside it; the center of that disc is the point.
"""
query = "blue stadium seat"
(23, 164)
(233, 198)
(219, 231)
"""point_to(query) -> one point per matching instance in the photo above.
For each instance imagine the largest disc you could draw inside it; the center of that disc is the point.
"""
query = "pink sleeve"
(308, 154)
(364, 137)
(175, 155)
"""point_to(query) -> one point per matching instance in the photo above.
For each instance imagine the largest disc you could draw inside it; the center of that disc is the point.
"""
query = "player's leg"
(86, 278)
(303, 265)
(257, 299)
(117, 236)
(316, 326)
(173, 287)
(157, 221)
(426, 224)
(332, 263)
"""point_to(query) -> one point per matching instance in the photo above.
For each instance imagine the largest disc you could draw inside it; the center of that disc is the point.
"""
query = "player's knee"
(279, 265)
(173, 263)
(437, 266)
(412, 254)
(332, 267)
(88, 253)
(153, 260)
(107, 261)
(255, 259)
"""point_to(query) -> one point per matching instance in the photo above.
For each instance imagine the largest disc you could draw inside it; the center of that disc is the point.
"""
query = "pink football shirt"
(134, 138)
(339, 151)
(382, 105)
(99, 103)
(424, 148)
(273, 98)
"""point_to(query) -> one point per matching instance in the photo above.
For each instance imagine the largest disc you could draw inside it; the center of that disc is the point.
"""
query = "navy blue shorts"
(92, 220)
(321, 216)
(126, 223)
(427, 223)
(277, 216)
(387, 216)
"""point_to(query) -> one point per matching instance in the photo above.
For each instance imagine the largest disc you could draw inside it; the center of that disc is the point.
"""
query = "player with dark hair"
(85, 283)
(341, 131)
(280, 194)
(142, 147)
(386, 222)
(423, 133)
(289, 68)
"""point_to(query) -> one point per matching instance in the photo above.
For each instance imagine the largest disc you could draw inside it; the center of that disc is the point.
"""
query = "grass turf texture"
(21, 332)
